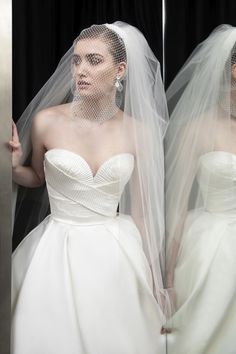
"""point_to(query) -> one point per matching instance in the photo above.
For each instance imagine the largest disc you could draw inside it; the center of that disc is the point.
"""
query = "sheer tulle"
(140, 195)
(144, 121)
(200, 198)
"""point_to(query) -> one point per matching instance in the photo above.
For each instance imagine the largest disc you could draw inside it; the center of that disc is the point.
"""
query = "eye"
(76, 60)
(94, 60)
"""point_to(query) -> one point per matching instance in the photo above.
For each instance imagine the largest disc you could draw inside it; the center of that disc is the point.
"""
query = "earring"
(118, 84)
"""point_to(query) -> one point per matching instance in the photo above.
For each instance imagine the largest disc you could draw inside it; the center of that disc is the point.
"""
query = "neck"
(98, 106)
(94, 109)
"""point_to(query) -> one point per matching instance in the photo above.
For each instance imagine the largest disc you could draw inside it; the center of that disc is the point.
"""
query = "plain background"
(43, 30)
(189, 22)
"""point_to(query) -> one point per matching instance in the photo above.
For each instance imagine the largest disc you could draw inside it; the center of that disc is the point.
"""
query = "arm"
(137, 211)
(29, 176)
(146, 215)
(139, 187)
(147, 199)
(178, 192)
(173, 255)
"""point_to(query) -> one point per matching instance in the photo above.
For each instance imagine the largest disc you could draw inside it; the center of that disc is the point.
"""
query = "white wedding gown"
(205, 276)
(81, 281)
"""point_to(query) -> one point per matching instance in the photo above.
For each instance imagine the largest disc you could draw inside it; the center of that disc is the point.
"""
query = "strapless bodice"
(217, 181)
(76, 194)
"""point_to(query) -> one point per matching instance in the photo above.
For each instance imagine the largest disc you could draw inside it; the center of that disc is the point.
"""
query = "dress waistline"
(94, 219)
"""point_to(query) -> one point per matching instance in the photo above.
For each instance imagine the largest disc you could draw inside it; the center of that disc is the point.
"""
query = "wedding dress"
(205, 274)
(81, 281)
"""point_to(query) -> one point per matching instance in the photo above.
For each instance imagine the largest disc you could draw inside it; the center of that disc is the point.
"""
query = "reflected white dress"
(205, 276)
(81, 281)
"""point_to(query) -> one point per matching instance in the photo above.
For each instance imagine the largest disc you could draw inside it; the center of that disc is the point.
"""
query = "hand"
(15, 147)
(165, 330)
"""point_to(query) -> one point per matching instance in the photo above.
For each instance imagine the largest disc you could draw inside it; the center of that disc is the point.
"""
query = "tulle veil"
(145, 117)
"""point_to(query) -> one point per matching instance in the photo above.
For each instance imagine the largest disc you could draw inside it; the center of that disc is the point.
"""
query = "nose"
(81, 69)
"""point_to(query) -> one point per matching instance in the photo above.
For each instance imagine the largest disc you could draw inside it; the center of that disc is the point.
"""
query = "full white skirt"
(84, 289)
(205, 285)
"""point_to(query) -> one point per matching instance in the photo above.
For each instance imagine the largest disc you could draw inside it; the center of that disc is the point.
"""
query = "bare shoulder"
(48, 116)
(52, 112)
(137, 126)
(131, 122)
(134, 129)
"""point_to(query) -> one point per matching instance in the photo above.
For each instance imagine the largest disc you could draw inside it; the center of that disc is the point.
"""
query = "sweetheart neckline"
(217, 151)
(87, 164)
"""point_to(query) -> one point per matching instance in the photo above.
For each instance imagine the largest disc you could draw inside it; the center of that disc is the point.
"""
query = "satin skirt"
(84, 288)
(205, 286)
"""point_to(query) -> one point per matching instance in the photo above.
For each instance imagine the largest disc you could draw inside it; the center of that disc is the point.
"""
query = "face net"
(98, 69)
(228, 86)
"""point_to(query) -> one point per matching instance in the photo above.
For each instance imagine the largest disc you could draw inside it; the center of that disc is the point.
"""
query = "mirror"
(200, 157)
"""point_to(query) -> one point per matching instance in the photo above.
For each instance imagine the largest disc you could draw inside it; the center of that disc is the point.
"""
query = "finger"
(14, 144)
(15, 133)
(165, 330)
(13, 123)
(10, 146)
(13, 126)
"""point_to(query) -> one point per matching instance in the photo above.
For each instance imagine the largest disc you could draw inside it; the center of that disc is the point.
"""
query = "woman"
(88, 279)
(201, 199)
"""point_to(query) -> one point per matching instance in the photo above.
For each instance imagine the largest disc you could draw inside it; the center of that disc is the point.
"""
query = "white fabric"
(200, 150)
(205, 275)
(81, 281)
(143, 127)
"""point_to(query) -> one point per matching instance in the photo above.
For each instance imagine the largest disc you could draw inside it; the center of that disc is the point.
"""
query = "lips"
(83, 83)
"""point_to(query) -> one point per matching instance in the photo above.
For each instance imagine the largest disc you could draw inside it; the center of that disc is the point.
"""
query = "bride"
(201, 199)
(88, 279)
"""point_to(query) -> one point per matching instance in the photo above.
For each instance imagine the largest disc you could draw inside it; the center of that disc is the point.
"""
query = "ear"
(233, 71)
(121, 69)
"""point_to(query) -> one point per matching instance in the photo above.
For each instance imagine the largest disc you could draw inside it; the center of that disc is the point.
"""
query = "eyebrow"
(89, 55)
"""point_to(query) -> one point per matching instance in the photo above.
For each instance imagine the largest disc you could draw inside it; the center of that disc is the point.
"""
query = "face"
(94, 69)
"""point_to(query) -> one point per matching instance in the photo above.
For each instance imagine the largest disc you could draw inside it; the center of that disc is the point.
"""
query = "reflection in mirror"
(201, 199)
(89, 278)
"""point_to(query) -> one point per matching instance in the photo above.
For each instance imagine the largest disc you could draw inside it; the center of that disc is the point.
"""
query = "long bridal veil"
(201, 100)
(145, 118)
